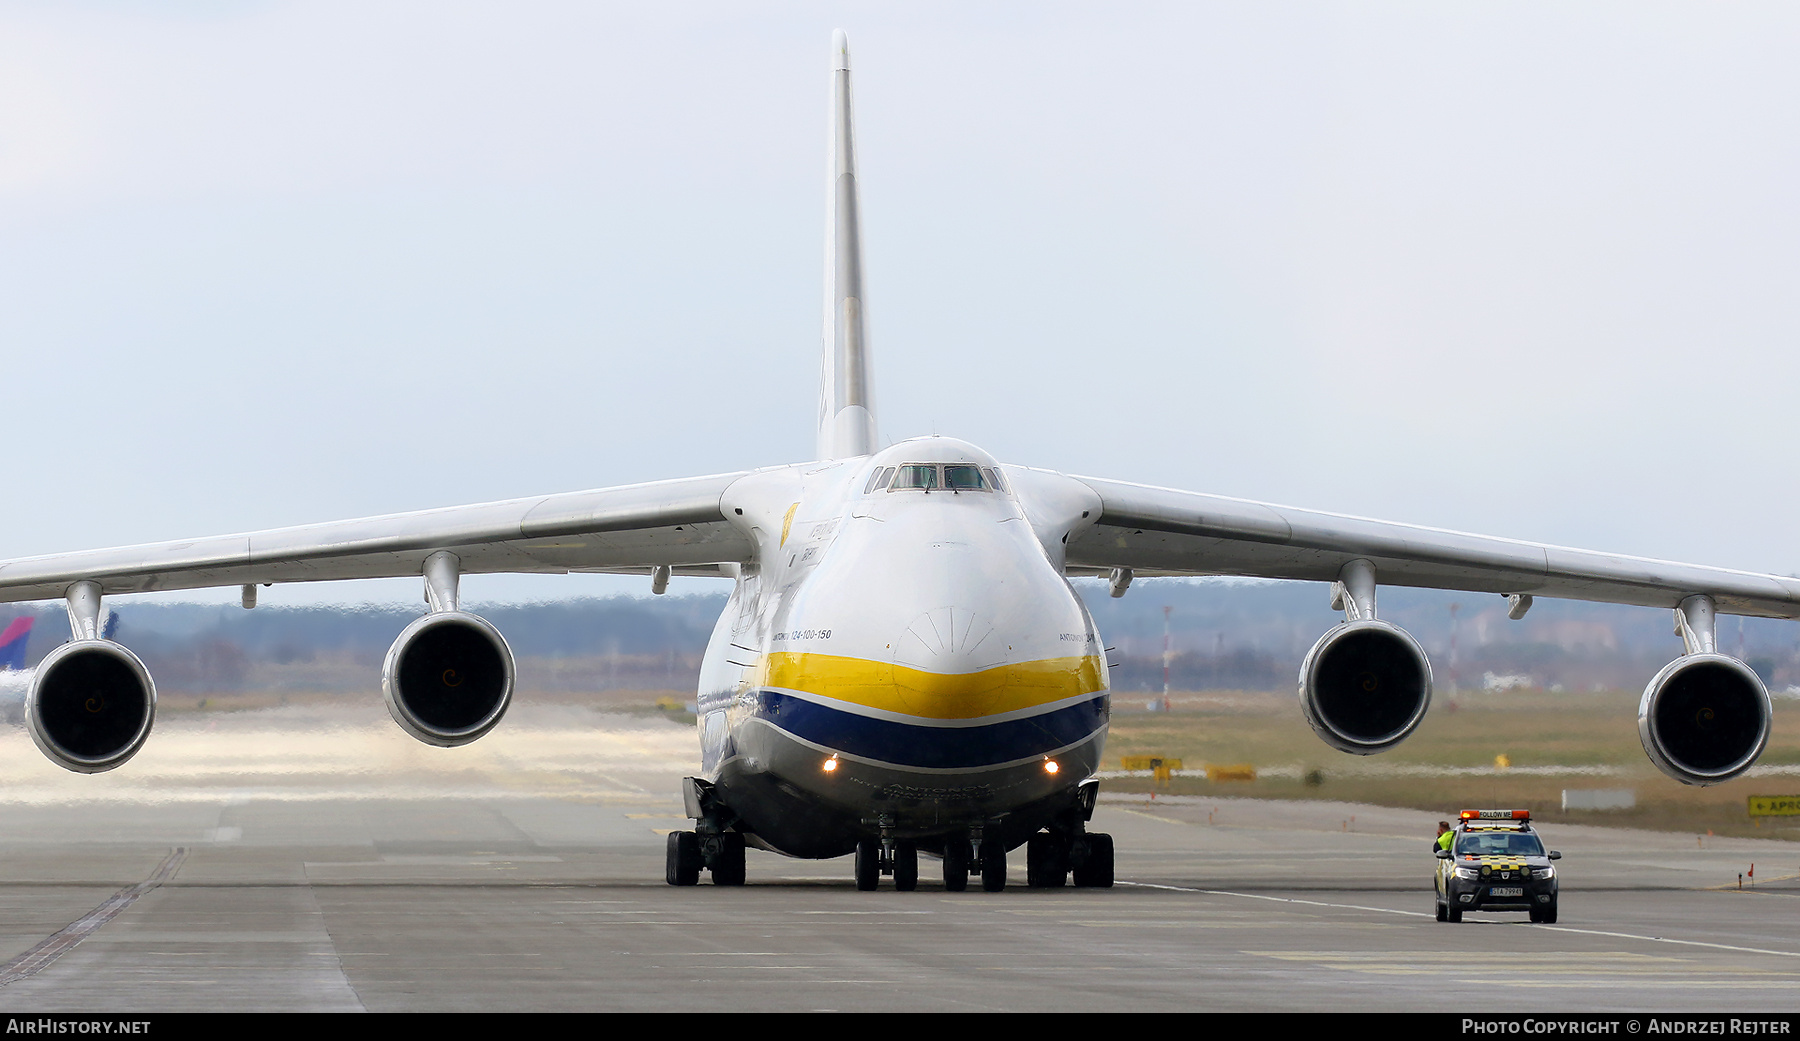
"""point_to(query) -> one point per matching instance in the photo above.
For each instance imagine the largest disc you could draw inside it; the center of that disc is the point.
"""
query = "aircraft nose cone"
(952, 663)
(949, 664)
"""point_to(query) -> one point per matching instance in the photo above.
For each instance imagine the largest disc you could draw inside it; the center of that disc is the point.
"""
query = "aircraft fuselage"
(905, 658)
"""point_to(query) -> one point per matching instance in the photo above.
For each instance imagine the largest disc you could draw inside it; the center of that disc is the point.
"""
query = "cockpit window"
(916, 475)
(993, 477)
(961, 478)
(956, 477)
(1498, 843)
(879, 479)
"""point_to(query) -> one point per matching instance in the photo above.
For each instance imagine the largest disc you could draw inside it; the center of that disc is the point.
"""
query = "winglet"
(846, 411)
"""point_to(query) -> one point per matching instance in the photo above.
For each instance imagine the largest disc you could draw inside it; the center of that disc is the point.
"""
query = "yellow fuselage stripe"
(932, 695)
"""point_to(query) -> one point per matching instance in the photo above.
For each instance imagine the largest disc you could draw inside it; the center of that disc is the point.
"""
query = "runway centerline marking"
(64, 940)
(1421, 914)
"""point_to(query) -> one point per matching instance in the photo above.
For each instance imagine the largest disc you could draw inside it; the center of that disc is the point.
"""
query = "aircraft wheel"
(868, 865)
(1096, 871)
(906, 867)
(682, 867)
(993, 865)
(956, 865)
(728, 868)
(1043, 862)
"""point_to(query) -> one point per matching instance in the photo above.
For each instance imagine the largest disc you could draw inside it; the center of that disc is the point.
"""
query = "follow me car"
(1496, 862)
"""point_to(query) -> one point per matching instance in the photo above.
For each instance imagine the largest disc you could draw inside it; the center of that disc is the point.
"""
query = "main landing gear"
(689, 852)
(1068, 848)
(710, 845)
(1051, 858)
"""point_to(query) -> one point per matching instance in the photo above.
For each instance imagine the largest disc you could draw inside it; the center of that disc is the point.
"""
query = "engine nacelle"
(448, 678)
(90, 705)
(1704, 718)
(1365, 686)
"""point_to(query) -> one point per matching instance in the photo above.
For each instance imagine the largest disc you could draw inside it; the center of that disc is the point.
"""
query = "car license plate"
(1507, 891)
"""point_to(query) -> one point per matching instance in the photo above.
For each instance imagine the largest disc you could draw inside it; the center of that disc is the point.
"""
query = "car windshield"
(1498, 843)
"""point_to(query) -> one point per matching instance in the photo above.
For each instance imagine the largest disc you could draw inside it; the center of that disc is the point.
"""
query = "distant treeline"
(583, 644)
(1229, 635)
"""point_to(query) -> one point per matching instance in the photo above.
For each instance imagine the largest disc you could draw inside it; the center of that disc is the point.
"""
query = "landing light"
(831, 765)
(1050, 766)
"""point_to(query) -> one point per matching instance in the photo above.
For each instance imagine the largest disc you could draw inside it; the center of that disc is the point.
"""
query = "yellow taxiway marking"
(1753, 886)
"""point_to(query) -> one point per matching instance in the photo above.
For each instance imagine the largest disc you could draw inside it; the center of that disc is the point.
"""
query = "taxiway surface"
(295, 859)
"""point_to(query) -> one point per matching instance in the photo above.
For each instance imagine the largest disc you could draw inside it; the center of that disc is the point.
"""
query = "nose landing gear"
(875, 858)
(993, 867)
(957, 855)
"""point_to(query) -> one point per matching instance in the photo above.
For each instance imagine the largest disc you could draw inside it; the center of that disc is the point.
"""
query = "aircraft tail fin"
(846, 410)
(13, 642)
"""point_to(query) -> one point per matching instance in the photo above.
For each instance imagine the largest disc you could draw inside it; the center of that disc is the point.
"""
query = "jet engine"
(448, 678)
(1704, 718)
(90, 705)
(1365, 686)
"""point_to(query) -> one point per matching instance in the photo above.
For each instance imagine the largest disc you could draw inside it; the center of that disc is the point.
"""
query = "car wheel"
(1454, 914)
(1443, 913)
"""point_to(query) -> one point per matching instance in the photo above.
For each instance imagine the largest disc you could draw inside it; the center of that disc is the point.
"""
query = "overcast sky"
(1523, 269)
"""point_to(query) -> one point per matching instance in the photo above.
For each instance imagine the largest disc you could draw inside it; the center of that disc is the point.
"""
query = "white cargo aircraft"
(902, 665)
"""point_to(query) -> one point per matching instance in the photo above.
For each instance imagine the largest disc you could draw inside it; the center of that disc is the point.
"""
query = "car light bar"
(1495, 815)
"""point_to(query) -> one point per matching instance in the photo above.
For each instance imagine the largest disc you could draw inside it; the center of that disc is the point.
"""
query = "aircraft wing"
(1160, 531)
(679, 523)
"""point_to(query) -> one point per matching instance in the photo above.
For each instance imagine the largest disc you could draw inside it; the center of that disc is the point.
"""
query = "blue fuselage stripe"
(942, 748)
